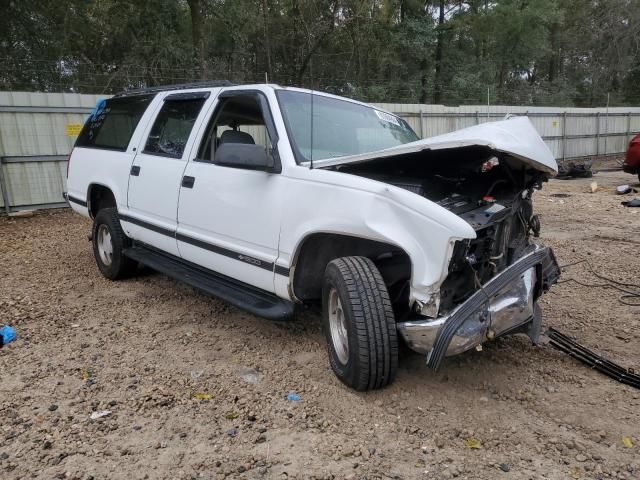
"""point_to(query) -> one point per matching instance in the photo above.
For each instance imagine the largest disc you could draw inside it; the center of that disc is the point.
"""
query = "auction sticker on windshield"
(387, 118)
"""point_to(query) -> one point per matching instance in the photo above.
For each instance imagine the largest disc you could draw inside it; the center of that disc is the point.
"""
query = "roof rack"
(183, 86)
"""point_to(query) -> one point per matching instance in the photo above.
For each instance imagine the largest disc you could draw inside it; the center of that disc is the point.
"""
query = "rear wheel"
(109, 241)
(359, 324)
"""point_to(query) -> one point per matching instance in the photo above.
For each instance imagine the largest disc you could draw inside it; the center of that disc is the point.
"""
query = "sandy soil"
(144, 350)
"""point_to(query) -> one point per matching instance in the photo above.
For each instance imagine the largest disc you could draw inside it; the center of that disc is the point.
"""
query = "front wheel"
(109, 241)
(359, 324)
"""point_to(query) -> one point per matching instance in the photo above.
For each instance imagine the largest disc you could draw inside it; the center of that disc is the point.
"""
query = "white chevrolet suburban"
(269, 197)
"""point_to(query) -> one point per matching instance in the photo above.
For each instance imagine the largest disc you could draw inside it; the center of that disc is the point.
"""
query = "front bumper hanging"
(505, 304)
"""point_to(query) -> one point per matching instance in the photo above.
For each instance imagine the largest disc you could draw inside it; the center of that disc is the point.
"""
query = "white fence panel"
(35, 139)
(35, 143)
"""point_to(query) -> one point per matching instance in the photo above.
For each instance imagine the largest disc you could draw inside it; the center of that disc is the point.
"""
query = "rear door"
(229, 218)
(156, 172)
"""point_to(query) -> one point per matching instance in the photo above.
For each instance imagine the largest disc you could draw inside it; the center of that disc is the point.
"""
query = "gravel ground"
(197, 389)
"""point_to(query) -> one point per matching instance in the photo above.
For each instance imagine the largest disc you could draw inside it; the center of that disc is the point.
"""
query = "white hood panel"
(516, 136)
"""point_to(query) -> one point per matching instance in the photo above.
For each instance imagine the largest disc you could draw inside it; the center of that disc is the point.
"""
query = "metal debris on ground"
(574, 170)
(98, 415)
(571, 347)
(624, 189)
(632, 203)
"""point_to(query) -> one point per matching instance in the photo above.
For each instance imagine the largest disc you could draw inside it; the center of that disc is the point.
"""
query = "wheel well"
(318, 249)
(99, 197)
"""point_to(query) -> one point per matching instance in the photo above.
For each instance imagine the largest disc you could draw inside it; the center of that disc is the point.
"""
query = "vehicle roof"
(330, 95)
(211, 84)
(182, 86)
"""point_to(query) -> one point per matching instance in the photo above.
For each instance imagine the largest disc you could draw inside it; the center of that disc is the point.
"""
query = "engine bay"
(493, 193)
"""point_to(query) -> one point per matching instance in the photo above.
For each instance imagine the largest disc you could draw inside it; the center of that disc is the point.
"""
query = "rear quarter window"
(113, 122)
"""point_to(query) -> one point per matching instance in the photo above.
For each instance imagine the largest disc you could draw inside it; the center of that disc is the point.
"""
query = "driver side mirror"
(243, 155)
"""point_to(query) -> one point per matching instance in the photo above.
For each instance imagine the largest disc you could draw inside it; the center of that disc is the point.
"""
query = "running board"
(241, 295)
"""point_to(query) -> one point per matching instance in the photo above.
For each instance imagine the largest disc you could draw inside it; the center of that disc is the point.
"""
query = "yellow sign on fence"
(72, 129)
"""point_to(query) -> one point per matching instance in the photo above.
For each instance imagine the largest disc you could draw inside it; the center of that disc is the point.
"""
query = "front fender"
(381, 212)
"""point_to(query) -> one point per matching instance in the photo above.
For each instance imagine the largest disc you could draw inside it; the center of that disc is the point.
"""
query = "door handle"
(187, 181)
(135, 170)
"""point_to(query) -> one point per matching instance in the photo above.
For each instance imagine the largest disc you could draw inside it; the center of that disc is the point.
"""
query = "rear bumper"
(631, 168)
(506, 304)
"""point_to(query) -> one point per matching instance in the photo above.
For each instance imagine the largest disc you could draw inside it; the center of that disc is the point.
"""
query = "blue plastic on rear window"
(112, 122)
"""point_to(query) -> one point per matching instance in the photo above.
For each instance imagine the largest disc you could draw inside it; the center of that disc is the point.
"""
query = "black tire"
(120, 266)
(372, 357)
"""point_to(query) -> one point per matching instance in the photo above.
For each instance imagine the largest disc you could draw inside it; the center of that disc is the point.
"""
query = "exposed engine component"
(491, 193)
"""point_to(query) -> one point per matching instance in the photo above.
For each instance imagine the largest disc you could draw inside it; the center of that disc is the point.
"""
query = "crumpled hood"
(515, 136)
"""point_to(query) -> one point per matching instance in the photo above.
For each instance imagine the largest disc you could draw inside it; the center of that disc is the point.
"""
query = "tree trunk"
(437, 87)
(305, 62)
(554, 61)
(267, 38)
(195, 7)
(424, 94)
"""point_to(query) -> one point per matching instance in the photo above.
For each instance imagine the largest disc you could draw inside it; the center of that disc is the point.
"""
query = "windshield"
(340, 127)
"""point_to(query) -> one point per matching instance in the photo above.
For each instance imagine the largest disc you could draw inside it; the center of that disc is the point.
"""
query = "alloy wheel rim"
(338, 327)
(105, 246)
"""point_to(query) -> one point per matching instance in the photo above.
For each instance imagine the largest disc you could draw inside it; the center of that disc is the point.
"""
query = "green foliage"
(537, 52)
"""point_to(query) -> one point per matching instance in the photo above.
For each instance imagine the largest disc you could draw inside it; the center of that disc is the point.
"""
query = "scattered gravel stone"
(140, 370)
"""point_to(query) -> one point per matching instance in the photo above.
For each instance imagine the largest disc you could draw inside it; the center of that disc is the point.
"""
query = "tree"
(539, 52)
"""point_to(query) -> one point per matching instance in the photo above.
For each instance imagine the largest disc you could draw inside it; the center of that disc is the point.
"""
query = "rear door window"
(112, 123)
(173, 125)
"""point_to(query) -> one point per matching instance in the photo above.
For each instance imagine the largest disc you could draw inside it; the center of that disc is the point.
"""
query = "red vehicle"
(632, 158)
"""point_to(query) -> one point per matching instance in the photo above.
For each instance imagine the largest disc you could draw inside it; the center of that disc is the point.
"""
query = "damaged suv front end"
(506, 304)
(485, 175)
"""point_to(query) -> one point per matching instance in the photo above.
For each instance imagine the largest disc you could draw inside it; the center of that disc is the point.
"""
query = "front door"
(156, 172)
(229, 218)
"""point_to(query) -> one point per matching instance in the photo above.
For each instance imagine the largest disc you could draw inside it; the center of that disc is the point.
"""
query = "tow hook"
(90, 237)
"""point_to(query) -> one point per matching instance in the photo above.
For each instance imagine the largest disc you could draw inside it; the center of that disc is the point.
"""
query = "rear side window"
(173, 125)
(113, 122)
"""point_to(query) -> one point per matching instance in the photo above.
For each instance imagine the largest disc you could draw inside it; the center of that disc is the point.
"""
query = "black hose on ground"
(611, 283)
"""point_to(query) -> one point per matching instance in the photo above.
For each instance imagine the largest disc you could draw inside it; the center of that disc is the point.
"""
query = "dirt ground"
(197, 389)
